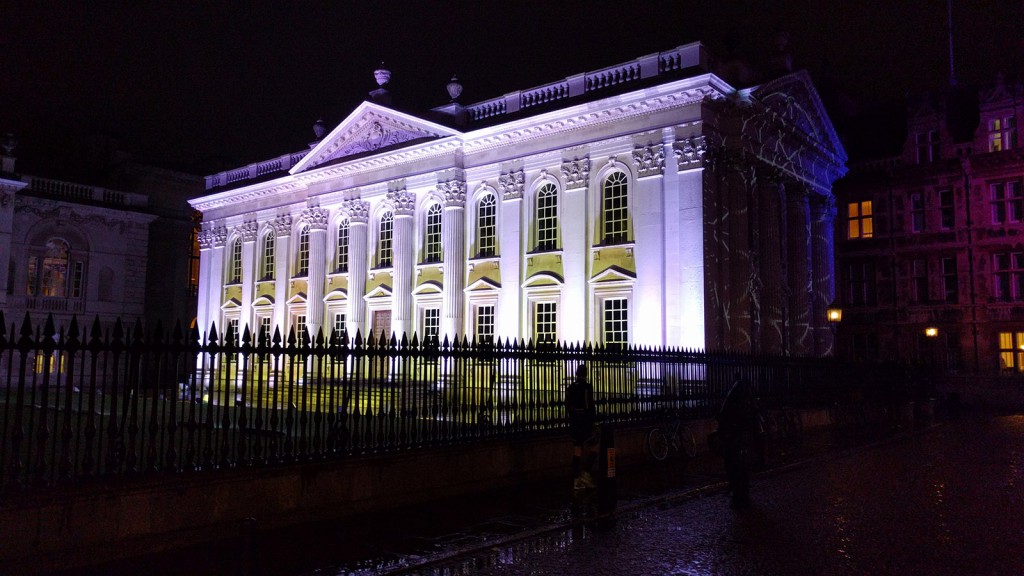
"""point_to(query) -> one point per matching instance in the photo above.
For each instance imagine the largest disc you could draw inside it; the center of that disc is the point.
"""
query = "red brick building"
(934, 239)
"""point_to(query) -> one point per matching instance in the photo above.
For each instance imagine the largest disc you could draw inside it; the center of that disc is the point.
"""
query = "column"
(282, 255)
(316, 218)
(215, 280)
(510, 248)
(358, 264)
(206, 280)
(453, 246)
(247, 231)
(647, 213)
(798, 253)
(402, 321)
(823, 214)
(684, 234)
(772, 262)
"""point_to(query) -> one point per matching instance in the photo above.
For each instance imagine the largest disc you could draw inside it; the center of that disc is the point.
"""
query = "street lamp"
(834, 315)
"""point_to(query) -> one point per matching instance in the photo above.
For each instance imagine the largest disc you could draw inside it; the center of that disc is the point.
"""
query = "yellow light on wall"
(834, 314)
(931, 332)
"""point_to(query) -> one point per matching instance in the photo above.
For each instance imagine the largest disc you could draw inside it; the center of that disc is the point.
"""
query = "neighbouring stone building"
(649, 203)
(930, 253)
(72, 249)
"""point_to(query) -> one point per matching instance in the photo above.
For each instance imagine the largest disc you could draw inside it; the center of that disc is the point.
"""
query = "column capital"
(282, 225)
(649, 160)
(576, 172)
(690, 151)
(247, 230)
(454, 192)
(402, 202)
(358, 211)
(513, 184)
(214, 237)
(796, 194)
(316, 217)
(823, 207)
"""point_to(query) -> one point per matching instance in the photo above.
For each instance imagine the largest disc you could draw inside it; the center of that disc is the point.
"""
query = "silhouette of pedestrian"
(579, 405)
(738, 426)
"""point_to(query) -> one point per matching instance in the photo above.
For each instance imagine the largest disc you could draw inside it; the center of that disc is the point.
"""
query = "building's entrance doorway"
(381, 324)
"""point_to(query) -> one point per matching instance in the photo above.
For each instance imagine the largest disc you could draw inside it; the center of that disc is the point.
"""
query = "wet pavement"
(945, 500)
(948, 500)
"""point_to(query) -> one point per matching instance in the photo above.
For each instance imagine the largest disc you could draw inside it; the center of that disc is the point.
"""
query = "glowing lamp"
(834, 314)
(931, 332)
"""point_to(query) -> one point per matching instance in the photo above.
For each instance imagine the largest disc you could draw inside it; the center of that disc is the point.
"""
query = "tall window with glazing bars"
(547, 218)
(486, 226)
(267, 256)
(614, 208)
(384, 240)
(432, 240)
(341, 262)
(302, 254)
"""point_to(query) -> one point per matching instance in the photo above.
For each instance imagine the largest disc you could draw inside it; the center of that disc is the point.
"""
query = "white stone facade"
(585, 221)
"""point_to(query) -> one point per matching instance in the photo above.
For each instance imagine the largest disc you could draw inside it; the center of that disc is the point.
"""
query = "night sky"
(201, 86)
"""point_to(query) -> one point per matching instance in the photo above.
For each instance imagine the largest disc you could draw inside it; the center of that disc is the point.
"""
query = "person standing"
(738, 426)
(579, 406)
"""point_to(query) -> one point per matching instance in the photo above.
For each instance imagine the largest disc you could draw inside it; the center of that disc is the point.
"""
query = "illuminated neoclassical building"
(649, 203)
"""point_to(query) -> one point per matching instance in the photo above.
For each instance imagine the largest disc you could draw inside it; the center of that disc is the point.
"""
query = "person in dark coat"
(579, 406)
(739, 426)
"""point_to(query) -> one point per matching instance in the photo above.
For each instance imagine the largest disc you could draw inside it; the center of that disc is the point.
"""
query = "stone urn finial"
(9, 142)
(454, 88)
(382, 75)
(319, 128)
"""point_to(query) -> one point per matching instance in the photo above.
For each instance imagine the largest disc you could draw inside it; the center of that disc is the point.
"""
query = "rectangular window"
(917, 212)
(861, 219)
(947, 214)
(484, 324)
(77, 279)
(860, 283)
(927, 146)
(547, 218)
(233, 331)
(431, 325)
(266, 331)
(1011, 351)
(615, 208)
(1008, 276)
(1002, 134)
(32, 288)
(339, 323)
(299, 325)
(919, 280)
(545, 322)
(1007, 201)
(615, 324)
(950, 282)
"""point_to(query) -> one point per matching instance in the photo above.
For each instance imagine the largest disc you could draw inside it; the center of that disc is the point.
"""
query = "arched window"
(547, 217)
(55, 269)
(486, 226)
(432, 241)
(267, 257)
(235, 269)
(341, 262)
(384, 247)
(302, 255)
(614, 209)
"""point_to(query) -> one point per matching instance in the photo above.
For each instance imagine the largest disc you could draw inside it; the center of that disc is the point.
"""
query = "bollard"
(606, 487)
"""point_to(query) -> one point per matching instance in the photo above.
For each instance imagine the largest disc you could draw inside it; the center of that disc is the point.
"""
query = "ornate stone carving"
(576, 173)
(316, 217)
(220, 236)
(205, 239)
(403, 202)
(358, 210)
(282, 225)
(454, 192)
(512, 185)
(690, 151)
(649, 160)
(247, 230)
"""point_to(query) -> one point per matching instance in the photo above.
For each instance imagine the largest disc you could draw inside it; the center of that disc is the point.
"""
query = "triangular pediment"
(614, 274)
(369, 128)
(382, 291)
(483, 284)
(794, 97)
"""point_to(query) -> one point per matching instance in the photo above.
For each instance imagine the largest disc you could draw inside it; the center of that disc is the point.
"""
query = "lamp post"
(834, 315)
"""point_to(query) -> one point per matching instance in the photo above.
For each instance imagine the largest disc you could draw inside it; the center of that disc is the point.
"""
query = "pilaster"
(823, 214)
(358, 215)
(798, 255)
(510, 248)
(316, 218)
(404, 262)
(282, 250)
(247, 232)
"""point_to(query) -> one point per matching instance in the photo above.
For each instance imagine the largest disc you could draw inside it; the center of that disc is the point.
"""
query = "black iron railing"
(80, 403)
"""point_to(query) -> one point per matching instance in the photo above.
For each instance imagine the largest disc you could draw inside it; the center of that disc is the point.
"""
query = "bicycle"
(673, 435)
